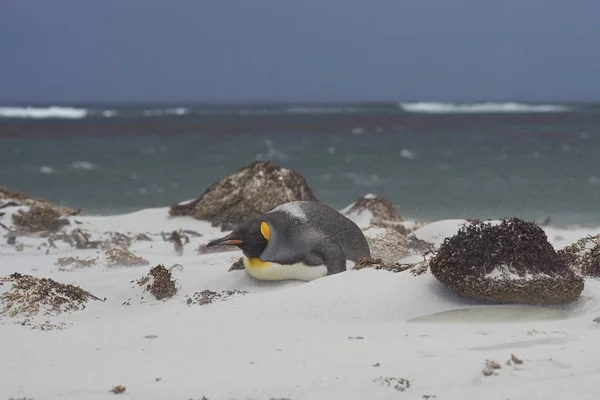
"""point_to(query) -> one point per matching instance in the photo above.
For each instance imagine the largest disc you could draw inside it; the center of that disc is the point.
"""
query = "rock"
(584, 256)
(372, 209)
(509, 262)
(251, 191)
(389, 245)
(9, 197)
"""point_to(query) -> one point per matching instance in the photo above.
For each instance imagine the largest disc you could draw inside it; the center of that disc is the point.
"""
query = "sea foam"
(450, 108)
(43, 112)
(165, 111)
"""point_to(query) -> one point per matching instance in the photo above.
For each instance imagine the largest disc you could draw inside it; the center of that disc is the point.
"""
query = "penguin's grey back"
(316, 217)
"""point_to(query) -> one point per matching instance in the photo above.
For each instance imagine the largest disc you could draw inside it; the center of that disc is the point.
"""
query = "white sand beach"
(362, 334)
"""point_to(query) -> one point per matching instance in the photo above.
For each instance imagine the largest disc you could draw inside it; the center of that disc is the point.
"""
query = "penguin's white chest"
(269, 271)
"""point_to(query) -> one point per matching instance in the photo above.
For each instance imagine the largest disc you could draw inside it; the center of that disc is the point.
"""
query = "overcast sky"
(299, 50)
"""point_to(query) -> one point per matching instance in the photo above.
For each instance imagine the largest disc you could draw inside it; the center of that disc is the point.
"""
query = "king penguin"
(299, 240)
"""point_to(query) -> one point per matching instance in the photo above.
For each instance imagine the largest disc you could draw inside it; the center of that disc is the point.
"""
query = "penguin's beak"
(227, 240)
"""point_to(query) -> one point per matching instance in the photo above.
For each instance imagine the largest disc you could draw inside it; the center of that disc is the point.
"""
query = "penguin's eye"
(265, 230)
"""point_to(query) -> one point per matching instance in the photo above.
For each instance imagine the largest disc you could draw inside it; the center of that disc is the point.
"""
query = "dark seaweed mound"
(528, 269)
(584, 256)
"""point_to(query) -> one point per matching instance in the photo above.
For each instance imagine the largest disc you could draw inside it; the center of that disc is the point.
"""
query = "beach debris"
(429, 396)
(597, 320)
(399, 384)
(39, 218)
(208, 296)
(192, 233)
(118, 389)
(238, 265)
(142, 237)
(81, 240)
(508, 262)
(490, 367)
(19, 247)
(76, 262)
(159, 282)
(356, 338)
(376, 365)
(175, 238)
(249, 192)
(45, 325)
(28, 296)
(416, 268)
(117, 239)
(584, 256)
(76, 238)
(377, 263)
(515, 359)
(11, 240)
(117, 256)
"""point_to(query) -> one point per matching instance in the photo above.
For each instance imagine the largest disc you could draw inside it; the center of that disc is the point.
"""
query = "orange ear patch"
(265, 230)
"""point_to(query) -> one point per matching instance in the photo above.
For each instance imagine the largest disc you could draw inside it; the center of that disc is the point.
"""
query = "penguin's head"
(252, 237)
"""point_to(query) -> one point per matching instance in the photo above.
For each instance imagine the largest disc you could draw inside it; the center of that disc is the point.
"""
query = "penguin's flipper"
(332, 255)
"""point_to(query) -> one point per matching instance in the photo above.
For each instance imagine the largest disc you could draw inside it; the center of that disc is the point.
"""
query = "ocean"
(540, 162)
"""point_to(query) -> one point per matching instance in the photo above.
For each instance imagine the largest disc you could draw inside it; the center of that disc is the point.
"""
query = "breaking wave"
(450, 108)
(68, 112)
(159, 112)
(43, 112)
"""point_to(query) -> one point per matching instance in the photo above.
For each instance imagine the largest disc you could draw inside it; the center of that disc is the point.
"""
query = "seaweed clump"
(584, 256)
(416, 268)
(208, 296)
(159, 282)
(238, 265)
(75, 262)
(118, 256)
(39, 218)
(509, 262)
(29, 296)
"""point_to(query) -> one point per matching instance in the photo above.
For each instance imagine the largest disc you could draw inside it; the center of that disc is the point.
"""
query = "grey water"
(432, 166)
